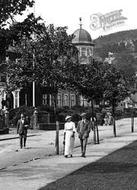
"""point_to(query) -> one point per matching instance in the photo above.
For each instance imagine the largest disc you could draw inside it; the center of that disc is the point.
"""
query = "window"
(73, 100)
(44, 99)
(83, 52)
(89, 52)
(83, 101)
(59, 100)
(66, 100)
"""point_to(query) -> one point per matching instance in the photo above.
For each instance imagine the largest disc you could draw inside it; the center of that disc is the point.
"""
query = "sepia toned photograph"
(68, 95)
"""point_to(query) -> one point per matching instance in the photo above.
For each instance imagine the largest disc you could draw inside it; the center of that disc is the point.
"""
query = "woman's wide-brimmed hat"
(83, 115)
(68, 117)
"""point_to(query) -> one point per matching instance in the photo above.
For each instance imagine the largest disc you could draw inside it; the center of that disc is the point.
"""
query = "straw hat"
(68, 117)
(83, 115)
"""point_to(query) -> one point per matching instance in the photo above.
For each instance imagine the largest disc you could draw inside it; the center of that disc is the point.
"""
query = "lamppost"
(33, 86)
(34, 103)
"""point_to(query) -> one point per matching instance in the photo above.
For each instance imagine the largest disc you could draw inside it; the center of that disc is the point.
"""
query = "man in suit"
(83, 129)
(22, 130)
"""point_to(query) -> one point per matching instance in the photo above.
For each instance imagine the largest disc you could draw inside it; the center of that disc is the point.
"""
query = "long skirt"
(69, 143)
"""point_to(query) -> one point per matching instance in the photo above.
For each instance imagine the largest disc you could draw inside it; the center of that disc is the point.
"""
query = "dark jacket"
(21, 127)
(83, 129)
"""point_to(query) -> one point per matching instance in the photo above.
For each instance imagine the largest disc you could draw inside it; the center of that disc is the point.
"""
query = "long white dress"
(69, 129)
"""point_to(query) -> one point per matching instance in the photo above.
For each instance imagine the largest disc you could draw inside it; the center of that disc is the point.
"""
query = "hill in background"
(116, 37)
(123, 48)
(117, 43)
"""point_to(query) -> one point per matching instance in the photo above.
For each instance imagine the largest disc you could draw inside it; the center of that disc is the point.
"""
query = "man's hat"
(68, 117)
(83, 115)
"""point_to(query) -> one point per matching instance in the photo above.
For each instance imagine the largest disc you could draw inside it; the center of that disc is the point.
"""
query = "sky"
(68, 12)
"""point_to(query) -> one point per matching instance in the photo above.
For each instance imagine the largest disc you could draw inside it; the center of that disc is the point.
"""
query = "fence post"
(94, 133)
(97, 134)
(6, 122)
(57, 138)
(132, 119)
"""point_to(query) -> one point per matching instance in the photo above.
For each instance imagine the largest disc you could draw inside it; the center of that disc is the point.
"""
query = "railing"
(50, 126)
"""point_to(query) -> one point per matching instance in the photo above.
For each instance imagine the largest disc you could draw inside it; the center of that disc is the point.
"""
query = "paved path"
(41, 144)
(37, 172)
(116, 171)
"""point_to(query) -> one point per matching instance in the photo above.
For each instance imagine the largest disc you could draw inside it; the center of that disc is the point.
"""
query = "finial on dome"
(80, 19)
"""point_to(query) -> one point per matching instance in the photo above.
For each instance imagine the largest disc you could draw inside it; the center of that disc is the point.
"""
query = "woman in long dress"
(69, 134)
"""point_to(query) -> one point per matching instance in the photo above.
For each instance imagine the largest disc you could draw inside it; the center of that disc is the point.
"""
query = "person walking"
(69, 136)
(83, 129)
(22, 127)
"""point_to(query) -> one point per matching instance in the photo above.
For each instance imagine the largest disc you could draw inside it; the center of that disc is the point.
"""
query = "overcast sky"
(67, 13)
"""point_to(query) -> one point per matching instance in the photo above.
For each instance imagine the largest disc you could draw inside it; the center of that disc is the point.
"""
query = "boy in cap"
(83, 130)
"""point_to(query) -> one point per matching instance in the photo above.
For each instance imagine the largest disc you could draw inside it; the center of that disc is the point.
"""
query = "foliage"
(124, 47)
(43, 59)
(11, 31)
(126, 63)
(14, 114)
(115, 86)
(88, 80)
(10, 8)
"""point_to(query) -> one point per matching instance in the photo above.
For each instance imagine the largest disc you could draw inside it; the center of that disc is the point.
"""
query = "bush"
(14, 114)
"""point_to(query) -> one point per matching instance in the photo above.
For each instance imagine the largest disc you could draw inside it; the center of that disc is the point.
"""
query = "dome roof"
(82, 37)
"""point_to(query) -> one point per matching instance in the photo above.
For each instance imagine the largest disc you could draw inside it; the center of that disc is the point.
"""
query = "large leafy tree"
(116, 88)
(11, 31)
(100, 82)
(87, 79)
(44, 60)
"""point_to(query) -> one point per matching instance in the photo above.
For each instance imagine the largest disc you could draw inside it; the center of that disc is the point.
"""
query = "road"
(39, 145)
(42, 144)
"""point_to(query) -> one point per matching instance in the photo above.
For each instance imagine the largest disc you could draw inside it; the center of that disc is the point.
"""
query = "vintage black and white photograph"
(68, 95)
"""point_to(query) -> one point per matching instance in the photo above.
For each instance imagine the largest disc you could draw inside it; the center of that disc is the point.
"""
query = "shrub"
(14, 114)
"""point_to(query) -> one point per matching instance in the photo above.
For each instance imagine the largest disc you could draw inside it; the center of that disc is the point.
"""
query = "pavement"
(40, 171)
(13, 134)
(115, 171)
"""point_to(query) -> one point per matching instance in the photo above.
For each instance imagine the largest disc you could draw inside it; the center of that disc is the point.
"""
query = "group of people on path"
(84, 127)
(108, 119)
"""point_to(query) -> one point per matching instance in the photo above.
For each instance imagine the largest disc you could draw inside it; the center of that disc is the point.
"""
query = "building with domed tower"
(83, 41)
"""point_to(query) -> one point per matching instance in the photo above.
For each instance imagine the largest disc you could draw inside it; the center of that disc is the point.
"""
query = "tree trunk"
(57, 138)
(114, 121)
(132, 120)
(57, 124)
(95, 127)
(94, 134)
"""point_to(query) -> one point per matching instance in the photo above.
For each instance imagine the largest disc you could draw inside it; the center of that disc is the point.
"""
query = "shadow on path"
(116, 171)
